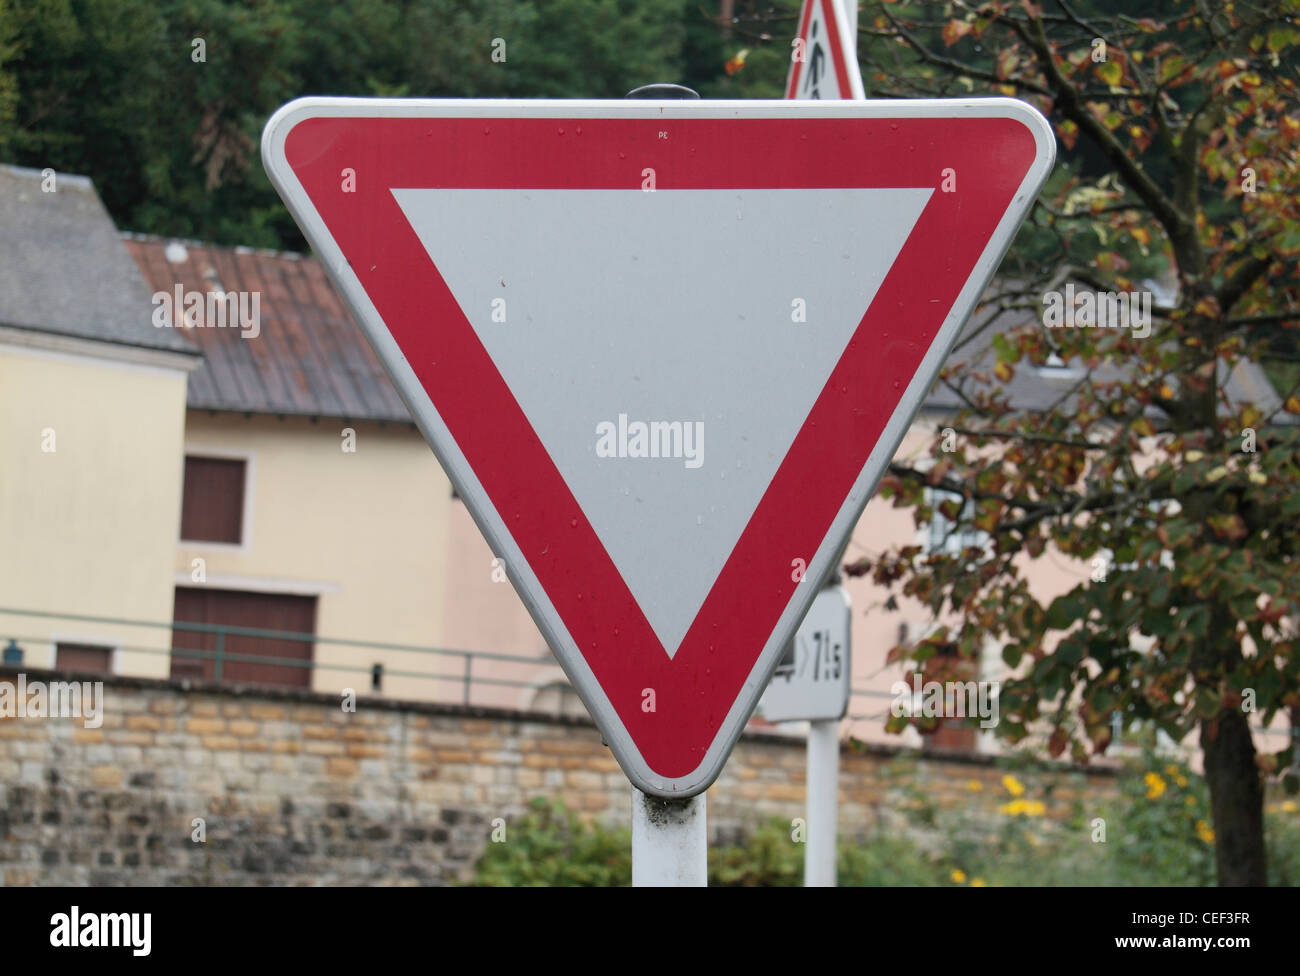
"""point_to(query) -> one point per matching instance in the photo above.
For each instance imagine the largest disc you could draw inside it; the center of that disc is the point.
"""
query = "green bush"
(1282, 831)
(770, 859)
(550, 846)
(1156, 826)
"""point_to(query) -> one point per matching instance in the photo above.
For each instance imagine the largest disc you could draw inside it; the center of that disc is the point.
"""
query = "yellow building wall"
(365, 531)
(89, 527)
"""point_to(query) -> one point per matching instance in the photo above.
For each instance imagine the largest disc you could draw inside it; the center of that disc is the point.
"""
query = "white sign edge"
(444, 447)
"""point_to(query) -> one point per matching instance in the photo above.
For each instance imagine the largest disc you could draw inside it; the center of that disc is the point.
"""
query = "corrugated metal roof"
(63, 268)
(310, 357)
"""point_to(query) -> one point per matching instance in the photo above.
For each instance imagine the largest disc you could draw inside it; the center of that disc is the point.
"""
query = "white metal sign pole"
(814, 687)
(851, 17)
(823, 798)
(670, 844)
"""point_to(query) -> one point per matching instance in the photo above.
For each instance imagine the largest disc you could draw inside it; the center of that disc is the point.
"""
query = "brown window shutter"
(83, 657)
(237, 608)
(212, 507)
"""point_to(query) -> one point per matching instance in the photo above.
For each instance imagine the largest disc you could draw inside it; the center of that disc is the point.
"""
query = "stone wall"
(292, 789)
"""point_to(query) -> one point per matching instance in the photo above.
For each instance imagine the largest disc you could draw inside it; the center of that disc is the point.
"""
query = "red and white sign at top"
(824, 54)
(663, 350)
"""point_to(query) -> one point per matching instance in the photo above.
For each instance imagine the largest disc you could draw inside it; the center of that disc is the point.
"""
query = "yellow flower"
(977, 883)
(1172, 770)
(974, 786)
(1181, 781)
(1155, 786)
(1289, 806)
(1028, 808)
(1191, 801)
(1204, 832)
(1013, 785)
(959, 876)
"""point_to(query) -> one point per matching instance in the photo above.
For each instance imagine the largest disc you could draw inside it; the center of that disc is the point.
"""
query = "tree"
(1187, 498)
(162, 102)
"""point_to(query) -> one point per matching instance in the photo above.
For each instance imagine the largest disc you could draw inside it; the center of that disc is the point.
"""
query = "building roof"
(310, 358)
(1039, 388)
(63, 268)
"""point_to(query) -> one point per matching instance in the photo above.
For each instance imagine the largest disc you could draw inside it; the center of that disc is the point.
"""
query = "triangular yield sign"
(663, 350)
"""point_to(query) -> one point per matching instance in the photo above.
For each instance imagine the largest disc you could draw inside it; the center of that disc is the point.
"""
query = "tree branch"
(1179, 226)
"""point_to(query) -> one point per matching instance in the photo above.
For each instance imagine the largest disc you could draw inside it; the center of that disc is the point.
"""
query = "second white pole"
(823, 800)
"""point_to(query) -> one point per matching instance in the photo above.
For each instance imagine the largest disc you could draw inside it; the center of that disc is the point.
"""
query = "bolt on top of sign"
(664, 350)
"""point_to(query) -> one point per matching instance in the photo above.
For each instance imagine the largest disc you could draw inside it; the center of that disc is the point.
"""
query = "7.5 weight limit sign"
(812, 681)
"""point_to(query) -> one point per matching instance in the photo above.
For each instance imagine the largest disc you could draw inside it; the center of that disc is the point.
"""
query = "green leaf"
(1006, 352)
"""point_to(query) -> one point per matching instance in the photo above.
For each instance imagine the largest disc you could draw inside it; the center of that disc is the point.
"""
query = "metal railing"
(464, 675)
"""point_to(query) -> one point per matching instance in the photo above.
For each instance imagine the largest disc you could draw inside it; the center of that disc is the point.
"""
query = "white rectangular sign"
(812, 680)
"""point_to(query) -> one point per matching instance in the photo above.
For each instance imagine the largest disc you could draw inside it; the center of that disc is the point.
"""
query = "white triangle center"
(613, 305)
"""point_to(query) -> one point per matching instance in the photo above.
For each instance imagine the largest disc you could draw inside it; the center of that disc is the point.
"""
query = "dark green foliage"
(550, 846)
(113, 89)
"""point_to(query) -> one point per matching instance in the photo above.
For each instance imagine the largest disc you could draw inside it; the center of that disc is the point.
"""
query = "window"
(952, 733)
(945, 536)
(212, 507)
(1055, 368)
(237, 608)
(90, 658)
